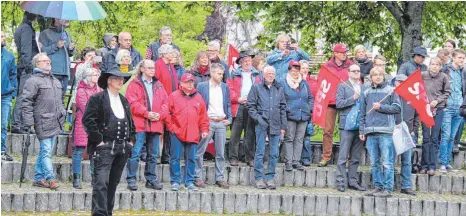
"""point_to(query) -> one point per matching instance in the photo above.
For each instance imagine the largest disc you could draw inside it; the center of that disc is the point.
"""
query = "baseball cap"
(342, 48)
(294, 63)
(187, 77)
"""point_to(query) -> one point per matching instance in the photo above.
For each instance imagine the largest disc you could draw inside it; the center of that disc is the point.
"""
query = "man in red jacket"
(338, 65)
(187, 119)
(146, 97)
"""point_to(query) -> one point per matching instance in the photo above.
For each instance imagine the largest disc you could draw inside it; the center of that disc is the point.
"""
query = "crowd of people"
(125, 106)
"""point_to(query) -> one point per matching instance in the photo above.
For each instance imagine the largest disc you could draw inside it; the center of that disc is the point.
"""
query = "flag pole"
(379, 102)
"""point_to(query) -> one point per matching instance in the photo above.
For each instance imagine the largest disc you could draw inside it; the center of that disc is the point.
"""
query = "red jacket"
(234, 84)
(83, 93)
(163, 75)
(139, 102)
(340, 71)
(312, 81)
(187, 117)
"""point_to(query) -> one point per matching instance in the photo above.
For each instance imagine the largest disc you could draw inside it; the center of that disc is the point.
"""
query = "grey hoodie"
(107, 38)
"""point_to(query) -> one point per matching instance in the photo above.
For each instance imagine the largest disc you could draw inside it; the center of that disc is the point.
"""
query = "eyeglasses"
(150, 68)
(117, 78)
(354, 71)
(44, 61)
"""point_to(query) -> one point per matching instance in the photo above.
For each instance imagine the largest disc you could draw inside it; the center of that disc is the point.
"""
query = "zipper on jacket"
(113, 146)
(124, 146)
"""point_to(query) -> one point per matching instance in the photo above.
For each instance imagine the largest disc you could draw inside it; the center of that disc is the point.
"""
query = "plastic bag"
(402, 138)
(352, 119)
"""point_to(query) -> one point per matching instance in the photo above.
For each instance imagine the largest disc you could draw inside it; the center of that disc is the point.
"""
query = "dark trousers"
(431, 142)
(352, 145)
(17, 119)
(64, 83)
(165, 158)
(109, 162)
(242, 121)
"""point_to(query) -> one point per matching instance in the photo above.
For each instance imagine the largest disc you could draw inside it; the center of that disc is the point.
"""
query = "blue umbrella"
(66, 10)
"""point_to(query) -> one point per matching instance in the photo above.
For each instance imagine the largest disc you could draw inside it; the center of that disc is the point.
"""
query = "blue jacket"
(203, 89)
(299, 103)
(280, 62)
(59, 57)
(267, 107)
(179, 71)
(9, 81)
(382, 120)
(410, 66)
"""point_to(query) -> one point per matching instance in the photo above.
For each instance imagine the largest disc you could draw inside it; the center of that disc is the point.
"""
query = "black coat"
(26, 45)
(96, 118)
(268, 106)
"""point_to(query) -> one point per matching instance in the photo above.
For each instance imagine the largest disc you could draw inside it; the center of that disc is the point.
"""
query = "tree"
(395, 27)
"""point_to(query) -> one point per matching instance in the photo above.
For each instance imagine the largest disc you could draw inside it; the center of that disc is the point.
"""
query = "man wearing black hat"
(240, 82)
(111, 133)
(416, 62)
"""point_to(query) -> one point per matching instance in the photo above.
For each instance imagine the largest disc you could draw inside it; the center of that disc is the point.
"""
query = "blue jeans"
(430, 142)
(450, 124)
(306, 154)
(176, 150)
(406, 169)
(6, 108)
(259, 155)
(77, 157)
(382, 153)
(44, 167)
(152, 141)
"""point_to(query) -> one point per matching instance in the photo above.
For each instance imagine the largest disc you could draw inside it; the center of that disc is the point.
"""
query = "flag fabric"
(327, 83)
(233, 54)
(413, 91)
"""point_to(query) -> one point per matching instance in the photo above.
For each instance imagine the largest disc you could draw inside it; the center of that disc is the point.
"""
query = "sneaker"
(383, 194)
(199, 183)
(323, 163)
(306, 162)
(451, 169)
(6, 157)
(191, 187)
(154, 185)
(42, 184)
(298, 166)
(260, 185)
(456, 149)
(443, 169)
(271, 185)
(53, 185)
(132, 186)
(373, 191)
(223, 184)
(288, 166)
(175, 187)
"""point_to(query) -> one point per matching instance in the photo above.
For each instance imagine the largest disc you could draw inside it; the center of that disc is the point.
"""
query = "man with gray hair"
(152, 51)
(42, 107)
(124, 42)
(213, 49)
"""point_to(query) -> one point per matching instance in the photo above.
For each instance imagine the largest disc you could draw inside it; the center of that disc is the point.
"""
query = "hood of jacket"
(108, 37)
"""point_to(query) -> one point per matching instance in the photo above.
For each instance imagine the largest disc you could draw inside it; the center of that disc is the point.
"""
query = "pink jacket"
(83, 93)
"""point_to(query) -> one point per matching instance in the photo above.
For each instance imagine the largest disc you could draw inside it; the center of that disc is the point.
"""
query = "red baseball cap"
(342, 48)
(187, 77)
(294, 63)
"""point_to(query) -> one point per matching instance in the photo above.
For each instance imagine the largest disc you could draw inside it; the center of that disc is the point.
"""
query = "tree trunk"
(215, 27)
(409, 18)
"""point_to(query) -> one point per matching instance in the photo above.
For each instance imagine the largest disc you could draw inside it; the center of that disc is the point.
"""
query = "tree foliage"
(142, 19)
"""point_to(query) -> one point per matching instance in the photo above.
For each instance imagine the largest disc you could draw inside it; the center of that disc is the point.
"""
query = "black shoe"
(408, 191)
(6, 157)
(132, 186)
(456, 148)
(288, 166)
(154, 185)
(18, 131)
(77, 181)
(298, 166)
(164, 162)
(357, 187)
(341, 188)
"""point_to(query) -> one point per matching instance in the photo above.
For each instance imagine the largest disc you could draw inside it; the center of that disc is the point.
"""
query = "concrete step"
(237, 199)
(15, 144)
(313, 176)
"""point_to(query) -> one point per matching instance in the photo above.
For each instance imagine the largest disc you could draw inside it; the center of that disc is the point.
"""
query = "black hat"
(419, 50)
(244, 53)
(115, 71)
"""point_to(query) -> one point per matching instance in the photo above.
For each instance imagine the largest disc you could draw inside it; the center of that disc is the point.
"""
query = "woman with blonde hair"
(177, 61)
(365, 64)
(201, 67)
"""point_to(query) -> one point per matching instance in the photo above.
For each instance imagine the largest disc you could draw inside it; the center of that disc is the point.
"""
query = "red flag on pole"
(233, 54)
(327, 84)
(413, 90)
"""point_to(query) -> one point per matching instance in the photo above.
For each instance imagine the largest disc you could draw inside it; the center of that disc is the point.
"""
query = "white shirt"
(246, 83)
(215, 109)
(116, 105)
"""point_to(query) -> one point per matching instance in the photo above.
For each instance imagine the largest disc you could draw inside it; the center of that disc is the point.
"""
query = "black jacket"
(365, 65)
(26, 45)
(268, 106)
(97, 115)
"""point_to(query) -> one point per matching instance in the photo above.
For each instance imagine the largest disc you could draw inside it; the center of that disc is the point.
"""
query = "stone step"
(15, 143)
(237, 200)
(313, 176)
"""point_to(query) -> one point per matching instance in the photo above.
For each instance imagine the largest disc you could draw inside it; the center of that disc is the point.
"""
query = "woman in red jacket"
(146, 97)
(86, 88)
(187, 119)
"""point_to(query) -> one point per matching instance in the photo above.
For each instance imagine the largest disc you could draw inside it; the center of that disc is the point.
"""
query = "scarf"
(293, 83)
(203, 69)
(124, 68)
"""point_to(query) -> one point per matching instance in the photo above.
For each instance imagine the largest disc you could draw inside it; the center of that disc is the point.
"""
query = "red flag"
(413, 90)
(233, 54)
(327, 84)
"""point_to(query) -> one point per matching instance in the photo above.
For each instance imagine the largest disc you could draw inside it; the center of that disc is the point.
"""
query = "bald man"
(124, 42)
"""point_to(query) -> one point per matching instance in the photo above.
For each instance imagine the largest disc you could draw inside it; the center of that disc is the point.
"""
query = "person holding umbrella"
(111, 133)
(42, 107)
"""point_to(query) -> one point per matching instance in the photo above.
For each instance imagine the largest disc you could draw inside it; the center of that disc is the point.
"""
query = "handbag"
(402, 139)
(352, 118)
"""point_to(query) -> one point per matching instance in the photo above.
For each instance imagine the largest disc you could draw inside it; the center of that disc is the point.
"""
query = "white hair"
(164, 29)
(122, 53)
(165, 49)
(214, 44)
(87, 74)
(268, 67)
(36, 58)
